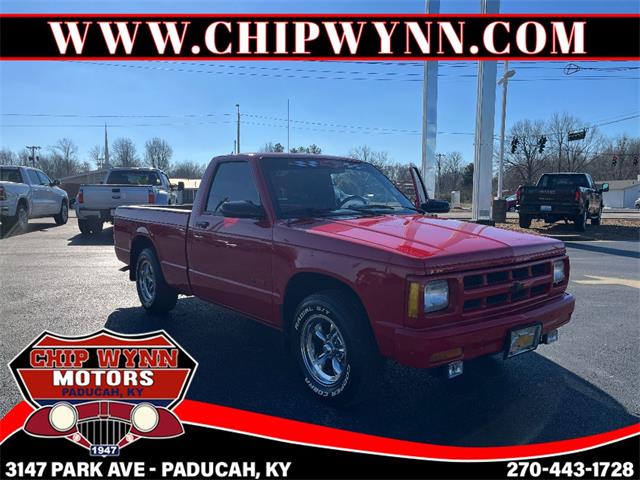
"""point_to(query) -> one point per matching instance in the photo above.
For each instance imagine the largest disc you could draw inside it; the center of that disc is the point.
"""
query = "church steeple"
(106, 148)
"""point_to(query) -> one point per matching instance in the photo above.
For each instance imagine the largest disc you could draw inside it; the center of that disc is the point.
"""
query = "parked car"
(512, 203)
(95, 204)
(26, 193)
(347, 280)
(562, 196)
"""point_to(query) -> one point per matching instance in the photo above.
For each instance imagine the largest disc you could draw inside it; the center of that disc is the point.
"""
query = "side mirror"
(241, 209)
(604, 187)
(435, 206)
(180, 186)
(55, 183)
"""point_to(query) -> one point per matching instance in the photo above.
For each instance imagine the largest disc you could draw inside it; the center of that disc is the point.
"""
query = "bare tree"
(124, 154)
(619, 159)
(7, 157)
(96, 155)
(571, 156)
(187, 169)
(527, 163)
(379, 158)
(158, 153)
(65, 157)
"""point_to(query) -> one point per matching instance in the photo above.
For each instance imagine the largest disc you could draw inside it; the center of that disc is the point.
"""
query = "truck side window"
(33, 177)
(44, 179)
(232, 182)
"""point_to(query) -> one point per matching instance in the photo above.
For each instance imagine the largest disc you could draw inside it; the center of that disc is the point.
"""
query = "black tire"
(156, 296)
(524, 221)
(90, 226)
(351, 345)
(580, 223)
(62, 217)
(597, 220)
(21, 220)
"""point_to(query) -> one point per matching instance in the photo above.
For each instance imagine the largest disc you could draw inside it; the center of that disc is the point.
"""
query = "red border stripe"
(293, 431)
(14, 420)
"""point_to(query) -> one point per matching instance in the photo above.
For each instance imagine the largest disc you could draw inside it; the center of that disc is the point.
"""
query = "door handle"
(202, 224)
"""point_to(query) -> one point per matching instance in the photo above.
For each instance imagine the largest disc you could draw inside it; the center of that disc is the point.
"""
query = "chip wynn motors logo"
(103, 391)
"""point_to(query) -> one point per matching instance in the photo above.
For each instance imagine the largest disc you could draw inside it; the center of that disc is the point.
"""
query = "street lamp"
(504, 81)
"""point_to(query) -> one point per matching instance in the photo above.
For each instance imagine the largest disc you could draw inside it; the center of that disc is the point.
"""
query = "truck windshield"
(133, 177)
(559, 181)
(10, 175)
(326, 187)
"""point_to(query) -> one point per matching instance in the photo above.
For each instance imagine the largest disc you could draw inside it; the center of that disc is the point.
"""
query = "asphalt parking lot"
(586, 383)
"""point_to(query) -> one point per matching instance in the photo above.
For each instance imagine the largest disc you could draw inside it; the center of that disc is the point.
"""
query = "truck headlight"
(145, 417)
(63, 416)
(436, 296)
(558, 272)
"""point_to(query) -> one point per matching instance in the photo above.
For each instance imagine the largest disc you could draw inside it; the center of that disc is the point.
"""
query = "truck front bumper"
(426, 348)
(105, 215)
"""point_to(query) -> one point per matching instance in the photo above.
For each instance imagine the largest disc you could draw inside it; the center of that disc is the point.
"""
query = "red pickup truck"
(329, 251)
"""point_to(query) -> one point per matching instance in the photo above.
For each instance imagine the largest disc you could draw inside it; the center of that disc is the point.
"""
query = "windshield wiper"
(380, 206)
(311, 212)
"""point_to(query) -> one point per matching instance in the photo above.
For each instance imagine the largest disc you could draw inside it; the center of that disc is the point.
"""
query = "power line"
(346, 75)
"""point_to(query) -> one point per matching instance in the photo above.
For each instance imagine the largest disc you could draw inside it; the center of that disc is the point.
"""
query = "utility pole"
(288, 129)
(430, 112)
(438, 191)
(238, 130)
(485, 113)
(33, 149)
(504, 81)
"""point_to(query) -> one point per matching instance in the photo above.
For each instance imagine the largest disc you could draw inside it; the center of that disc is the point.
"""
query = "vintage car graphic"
(103, 391)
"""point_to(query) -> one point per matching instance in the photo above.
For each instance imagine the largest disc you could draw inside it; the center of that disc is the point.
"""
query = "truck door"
(230, 258)
(39, 194)
(52, 199)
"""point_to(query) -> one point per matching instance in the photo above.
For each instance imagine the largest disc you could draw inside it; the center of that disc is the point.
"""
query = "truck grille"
(104, 431)
(504, 286)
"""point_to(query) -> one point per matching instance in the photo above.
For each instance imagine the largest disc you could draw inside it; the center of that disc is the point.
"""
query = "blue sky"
(192, 104)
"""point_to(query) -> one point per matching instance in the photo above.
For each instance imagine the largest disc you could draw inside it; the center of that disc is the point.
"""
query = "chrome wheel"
(324, 351)
(146, 282)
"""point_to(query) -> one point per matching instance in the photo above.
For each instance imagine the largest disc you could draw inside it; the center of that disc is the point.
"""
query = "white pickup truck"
(95, 204)
(29, 193)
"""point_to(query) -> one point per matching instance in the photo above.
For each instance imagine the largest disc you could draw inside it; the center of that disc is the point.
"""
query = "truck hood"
(442, 244)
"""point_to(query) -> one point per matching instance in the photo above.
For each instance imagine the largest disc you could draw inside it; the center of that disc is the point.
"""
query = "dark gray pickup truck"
(562, 196)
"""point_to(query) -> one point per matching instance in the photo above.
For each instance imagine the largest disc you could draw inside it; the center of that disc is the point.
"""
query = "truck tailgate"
(102, 197)
(547, 196)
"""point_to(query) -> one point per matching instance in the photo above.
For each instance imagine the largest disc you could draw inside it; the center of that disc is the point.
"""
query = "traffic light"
(541, 143)
(614, 161)
(514, 144)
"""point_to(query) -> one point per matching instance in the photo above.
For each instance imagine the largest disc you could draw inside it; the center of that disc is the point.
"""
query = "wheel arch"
(24, 201)
(306, 283)
(139, 243)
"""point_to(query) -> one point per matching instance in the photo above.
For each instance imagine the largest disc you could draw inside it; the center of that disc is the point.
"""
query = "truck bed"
(169, 223)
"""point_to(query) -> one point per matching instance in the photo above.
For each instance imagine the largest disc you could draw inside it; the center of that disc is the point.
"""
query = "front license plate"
(545, 208)
(523, 340)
